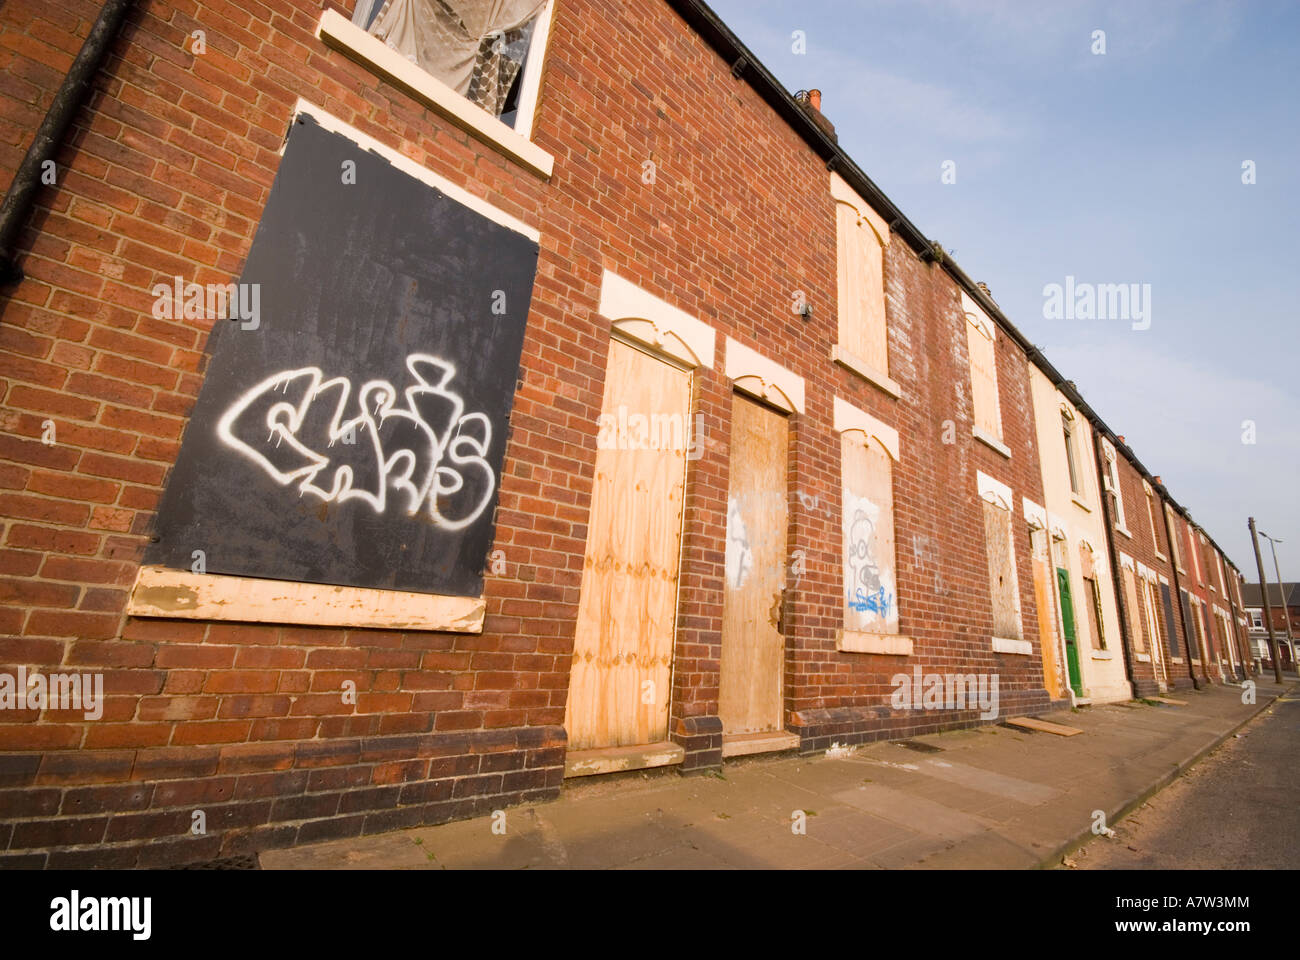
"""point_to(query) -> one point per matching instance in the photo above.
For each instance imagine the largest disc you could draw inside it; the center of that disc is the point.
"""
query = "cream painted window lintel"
(161, 592)
(841, 192)
(1035, 515)
(753, 373)
(890, 644)
(848, 417)
(337, 31)
(647, 319)
(994, 491)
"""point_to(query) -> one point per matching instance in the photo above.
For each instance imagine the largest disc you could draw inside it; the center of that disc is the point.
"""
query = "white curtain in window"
(454, 40)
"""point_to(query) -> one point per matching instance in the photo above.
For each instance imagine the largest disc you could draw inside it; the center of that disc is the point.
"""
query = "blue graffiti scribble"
(877, 602)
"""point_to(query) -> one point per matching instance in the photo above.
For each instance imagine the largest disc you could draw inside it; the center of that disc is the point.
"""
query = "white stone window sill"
(1080, 502)
(1161, 556)
(891, 644)
(866, 371)
(1144, 657)
(1123, 530)
(991, 441)
(376, 56)
(1021, 648)
(1102, 655)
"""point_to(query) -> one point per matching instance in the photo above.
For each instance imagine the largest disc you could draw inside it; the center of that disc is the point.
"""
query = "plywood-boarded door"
(753, 646)
(622, 655)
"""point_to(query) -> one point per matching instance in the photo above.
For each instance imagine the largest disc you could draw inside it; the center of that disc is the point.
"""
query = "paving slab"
(988, 797)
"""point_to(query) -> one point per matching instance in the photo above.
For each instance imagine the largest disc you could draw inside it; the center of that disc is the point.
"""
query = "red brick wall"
(166, 173)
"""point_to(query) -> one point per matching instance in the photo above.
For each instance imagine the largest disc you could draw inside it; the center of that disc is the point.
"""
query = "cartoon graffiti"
(867, 588)
(298, 428)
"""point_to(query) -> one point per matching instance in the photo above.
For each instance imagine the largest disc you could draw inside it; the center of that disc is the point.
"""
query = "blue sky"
(1124, 167)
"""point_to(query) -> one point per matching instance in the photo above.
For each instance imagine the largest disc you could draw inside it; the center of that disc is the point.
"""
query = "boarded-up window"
(1003, 585)
(1151, 516)
(1095, 622)
(1135, 612)
(861, 287)
(356, 437)
(1167, 605)
(1155, 629)
(981, 341)
(1173, 541)
(1196, 555)
(870, 592)
(1189, 622)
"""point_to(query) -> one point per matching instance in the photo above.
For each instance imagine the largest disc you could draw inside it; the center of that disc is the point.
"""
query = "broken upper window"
(479, 48)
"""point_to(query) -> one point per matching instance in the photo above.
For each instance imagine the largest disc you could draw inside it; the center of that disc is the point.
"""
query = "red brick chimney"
(811, 101)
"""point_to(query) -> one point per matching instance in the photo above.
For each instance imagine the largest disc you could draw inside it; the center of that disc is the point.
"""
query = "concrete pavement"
(989, 797)
(1236, 810)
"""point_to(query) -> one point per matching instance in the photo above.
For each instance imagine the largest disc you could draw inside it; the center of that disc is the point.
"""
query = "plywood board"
(160, 592)
(1043, 726)
(1003, 585)
(1046, 628)
(351, 428)
(753, 646)
(622, 657)
(867, 536)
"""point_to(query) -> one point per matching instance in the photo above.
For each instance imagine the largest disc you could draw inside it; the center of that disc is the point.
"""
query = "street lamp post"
(1268, 613)
(1286, 610)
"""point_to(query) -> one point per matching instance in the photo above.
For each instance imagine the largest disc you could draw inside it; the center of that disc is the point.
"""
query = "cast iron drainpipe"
(1116, 574)
(49, 136)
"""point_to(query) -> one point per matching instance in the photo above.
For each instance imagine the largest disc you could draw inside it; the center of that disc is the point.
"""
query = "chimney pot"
(815, 99)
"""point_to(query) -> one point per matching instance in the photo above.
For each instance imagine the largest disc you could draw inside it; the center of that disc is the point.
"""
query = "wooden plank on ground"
(1043, 726)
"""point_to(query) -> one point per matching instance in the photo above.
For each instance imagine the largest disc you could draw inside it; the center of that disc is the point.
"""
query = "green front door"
(1071, 635)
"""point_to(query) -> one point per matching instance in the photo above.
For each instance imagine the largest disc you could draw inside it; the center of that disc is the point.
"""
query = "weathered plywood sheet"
(1003, 585)
(861, 289)
(1046, 628)
(351, 428)
(622, 656)
(1044, 726)
(160, 592)
(753, 647)
(870, 586)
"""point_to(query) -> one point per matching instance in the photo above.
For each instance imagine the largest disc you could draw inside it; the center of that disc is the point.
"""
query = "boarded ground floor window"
(1003, 585)
(1095, 619)
(1190, 628)
(351, 429)
(1167, 607)
(1135, 613)
(1155, 626)
(870, 586)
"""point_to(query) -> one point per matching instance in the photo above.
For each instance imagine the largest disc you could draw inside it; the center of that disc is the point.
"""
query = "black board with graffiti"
(351, 429)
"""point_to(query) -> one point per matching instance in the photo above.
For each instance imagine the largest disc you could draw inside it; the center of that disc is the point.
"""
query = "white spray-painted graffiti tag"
(427, 449)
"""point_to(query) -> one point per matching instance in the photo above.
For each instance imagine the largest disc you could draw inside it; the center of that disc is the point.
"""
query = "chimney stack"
(811, 101)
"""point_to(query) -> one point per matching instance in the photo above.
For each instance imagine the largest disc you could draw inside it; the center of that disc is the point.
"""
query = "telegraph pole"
(1281, 590)
(1268, 610)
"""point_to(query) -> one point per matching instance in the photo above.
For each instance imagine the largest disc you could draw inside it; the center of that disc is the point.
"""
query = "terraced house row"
(410, 405)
